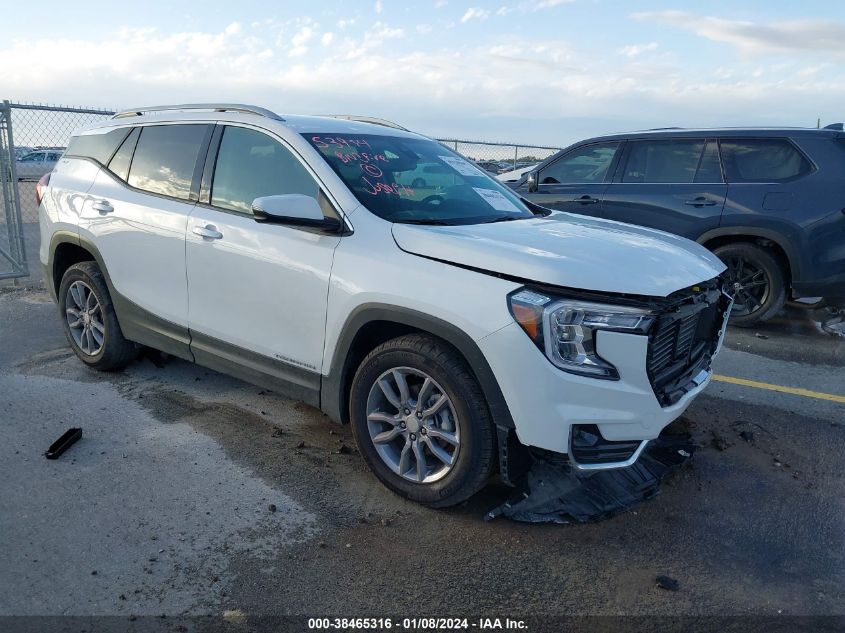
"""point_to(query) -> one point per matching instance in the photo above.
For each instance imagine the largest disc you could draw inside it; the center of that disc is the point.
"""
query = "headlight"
(565, 329)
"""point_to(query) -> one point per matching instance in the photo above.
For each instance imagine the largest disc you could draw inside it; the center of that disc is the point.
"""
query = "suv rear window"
(99, 147)
(763, 160)
(165, 158)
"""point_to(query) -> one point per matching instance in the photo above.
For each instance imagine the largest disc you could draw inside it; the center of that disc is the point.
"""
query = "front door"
(671, 185)
(257, 292)
(576, 181)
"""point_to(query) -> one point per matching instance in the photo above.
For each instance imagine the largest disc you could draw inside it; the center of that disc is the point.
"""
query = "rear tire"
(756, 280)
(89, 320)
(456, 442)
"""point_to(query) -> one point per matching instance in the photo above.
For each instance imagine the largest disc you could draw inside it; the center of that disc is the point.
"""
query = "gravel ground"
(166, 504)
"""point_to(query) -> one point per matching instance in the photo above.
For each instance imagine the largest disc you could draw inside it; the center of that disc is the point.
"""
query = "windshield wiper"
(429, 222)
(505, 218)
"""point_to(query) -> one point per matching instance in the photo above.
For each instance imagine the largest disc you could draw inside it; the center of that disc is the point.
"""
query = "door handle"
(701, 202)
(586, 200)
(209, 231)
(103, 206)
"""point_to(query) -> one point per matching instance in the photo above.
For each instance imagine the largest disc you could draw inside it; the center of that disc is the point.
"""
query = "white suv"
(452, 328)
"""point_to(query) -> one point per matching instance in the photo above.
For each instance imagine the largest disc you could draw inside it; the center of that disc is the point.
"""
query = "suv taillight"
(41, 187)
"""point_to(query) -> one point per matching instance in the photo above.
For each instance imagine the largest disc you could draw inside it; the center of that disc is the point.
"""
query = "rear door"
(577, 180)
(136, 213)
(674, 185)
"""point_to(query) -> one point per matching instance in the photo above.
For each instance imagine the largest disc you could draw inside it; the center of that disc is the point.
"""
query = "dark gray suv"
(769, 202)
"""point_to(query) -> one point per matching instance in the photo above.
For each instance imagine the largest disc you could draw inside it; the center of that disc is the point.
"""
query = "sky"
(549, 72)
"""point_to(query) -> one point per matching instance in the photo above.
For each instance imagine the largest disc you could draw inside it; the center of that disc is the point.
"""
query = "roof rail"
(368, 119)
(217, 107)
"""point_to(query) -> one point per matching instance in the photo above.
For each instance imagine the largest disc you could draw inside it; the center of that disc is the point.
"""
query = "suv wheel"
(89, 320)
(421, 421)
(756, 280)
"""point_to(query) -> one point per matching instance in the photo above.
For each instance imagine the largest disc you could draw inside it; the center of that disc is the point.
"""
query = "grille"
(681, 344)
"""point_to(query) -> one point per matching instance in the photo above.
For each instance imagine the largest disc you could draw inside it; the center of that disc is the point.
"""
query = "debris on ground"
(758, 335)
(277, 432)
(343, 449)
(748, 436)
(670, 584)
(68, 439)
(718, 442)
(272, 507)
(552, 491)
(300, 445)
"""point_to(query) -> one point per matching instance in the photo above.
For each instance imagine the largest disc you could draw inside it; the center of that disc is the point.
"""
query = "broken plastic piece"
(67, 440)
(554, 492)
(670, 584)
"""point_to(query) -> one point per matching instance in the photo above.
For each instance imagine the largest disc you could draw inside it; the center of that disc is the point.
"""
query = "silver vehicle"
(37, 163)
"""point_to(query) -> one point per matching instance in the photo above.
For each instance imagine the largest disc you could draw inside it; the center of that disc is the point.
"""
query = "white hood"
(569, 250)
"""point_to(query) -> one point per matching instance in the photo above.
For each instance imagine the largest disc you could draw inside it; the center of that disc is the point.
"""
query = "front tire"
(756, 280)
(421, 422)
(89, 320)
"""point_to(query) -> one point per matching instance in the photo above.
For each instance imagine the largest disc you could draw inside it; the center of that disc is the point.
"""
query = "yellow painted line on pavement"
(796, 391)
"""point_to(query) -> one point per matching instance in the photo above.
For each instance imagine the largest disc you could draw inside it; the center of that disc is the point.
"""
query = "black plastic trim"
(333, 399)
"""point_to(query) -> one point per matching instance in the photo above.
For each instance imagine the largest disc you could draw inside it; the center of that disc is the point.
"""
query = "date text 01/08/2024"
(416, 624)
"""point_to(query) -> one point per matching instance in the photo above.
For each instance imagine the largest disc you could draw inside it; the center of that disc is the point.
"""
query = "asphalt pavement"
(193, 493)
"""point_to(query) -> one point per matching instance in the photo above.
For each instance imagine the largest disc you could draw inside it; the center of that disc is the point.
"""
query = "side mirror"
(295, 210)
(533, 181)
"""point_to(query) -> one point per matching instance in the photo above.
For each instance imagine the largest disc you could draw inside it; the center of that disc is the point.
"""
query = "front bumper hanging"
(553, 491)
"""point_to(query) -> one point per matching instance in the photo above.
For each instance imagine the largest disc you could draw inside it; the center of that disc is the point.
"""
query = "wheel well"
(67, 255)
(773, 247)
(370, 336)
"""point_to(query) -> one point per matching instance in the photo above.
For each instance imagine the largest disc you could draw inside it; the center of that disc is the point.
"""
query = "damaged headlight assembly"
(565, 329)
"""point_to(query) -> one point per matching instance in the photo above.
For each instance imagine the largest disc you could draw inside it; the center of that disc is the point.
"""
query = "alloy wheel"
(413, 425)
(85, 318)
(749, 285)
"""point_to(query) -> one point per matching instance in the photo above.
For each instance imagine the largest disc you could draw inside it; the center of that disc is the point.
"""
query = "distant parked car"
(427, 176)
(37, 163)
(768, 202)
(22, 150)
(515, 175)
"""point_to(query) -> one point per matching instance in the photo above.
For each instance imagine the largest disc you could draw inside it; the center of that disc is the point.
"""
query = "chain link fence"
(36, 135)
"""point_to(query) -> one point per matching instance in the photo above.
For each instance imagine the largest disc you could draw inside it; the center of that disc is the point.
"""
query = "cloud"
(474, 13)
(327, 38)
(423, 29)
(637, 49)
(548, 4)
(503, 10)
(757, 37)
(378, 7)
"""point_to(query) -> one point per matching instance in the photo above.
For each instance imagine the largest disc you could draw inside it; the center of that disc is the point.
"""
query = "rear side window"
(762, 160)
(673, 161)
(120, 162)
(165, 158)
(250, 165)
(98, 147)
(584, 165)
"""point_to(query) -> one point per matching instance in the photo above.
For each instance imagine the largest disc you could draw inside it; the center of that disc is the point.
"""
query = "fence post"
(515, 156)
(17, 244)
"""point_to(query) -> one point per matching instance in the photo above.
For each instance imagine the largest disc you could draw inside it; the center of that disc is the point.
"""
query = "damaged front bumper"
(554, 490)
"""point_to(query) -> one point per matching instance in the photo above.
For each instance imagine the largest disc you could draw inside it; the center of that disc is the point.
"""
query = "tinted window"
(251, 165)
(709, 169)
(580, 166)
(663, 161)
(100, 147)
(119, 164)
(762, 160)
(165, 158)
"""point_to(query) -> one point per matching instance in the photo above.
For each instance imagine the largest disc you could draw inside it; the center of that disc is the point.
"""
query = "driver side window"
(250, 165)
(585, 165)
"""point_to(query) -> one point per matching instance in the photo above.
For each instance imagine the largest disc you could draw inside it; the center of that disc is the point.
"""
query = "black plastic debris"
(67, 440)
(670, 584)
(554, 492)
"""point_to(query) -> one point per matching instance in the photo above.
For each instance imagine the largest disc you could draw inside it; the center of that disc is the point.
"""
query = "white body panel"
(143, 243)
(262, 287)
(571, 251)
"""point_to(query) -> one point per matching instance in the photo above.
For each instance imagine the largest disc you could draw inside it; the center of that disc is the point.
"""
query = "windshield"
(416, 181)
